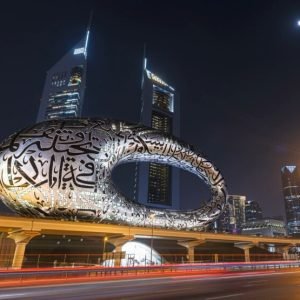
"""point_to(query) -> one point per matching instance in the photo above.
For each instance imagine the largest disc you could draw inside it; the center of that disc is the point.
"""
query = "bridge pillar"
(216, 257)
(21, 238)
(190, 246)
(118, 242)
(7, 249)
(285, 251)
(246, 247)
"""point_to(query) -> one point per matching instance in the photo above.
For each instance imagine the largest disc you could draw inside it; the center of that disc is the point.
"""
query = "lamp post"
(104, 244)
(152, 217)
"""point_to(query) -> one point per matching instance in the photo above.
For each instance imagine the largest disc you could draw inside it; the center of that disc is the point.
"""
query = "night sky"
(236, 65)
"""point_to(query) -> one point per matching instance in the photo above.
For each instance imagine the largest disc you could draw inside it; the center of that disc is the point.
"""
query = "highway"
(255, 285)
(60, 227)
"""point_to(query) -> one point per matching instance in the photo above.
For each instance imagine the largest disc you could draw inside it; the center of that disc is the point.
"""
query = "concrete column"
(285, 254)
(118, 242)
(7, 250)
(216, 256)
(285, 251)
(19, 255)
(191, 254)
(246, 247)
(21, 238)
(118, 255)
(190, 246)
(247, 254)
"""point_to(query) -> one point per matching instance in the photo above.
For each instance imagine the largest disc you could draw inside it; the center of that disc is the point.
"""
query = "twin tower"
(155, 185)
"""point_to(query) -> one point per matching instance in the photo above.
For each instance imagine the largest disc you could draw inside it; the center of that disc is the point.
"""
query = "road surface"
(281, 285)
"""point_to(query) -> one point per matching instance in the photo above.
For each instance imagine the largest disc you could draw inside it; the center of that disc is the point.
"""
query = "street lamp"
(152, 217)
(104, 244)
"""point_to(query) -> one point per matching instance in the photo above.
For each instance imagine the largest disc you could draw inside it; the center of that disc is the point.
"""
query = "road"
(256, 285)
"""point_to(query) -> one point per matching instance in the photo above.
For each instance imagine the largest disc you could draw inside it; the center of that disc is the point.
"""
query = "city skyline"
(234, 81)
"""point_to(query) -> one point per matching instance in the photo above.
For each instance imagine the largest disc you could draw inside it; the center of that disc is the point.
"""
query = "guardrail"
(100, 271)
(46, 260)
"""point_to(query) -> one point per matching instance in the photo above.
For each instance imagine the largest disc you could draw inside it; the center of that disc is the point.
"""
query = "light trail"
(151, 288)
(225, 296)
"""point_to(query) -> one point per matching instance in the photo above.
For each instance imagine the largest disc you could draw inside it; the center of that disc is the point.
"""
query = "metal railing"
(43, 260)
(96, 272)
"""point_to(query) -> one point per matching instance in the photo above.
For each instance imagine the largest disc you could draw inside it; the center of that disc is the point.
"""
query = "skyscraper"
(291, 192)
(253, 211)
(233, 216)
(64, 87)
(158, 185)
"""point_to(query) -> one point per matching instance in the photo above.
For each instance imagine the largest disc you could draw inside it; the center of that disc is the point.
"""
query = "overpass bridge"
(22, 230)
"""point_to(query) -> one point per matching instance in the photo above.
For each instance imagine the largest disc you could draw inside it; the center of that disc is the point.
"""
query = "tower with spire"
(64, 88)
(157, 185)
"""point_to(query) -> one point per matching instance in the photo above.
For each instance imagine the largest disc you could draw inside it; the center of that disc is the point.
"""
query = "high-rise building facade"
(158, 185)
(253, 211)
(223, 223)
(264, 227)
(291, 192)
(63, 92)
(233, 216)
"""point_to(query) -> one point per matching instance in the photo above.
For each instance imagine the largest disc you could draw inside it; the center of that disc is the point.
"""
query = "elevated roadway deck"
(49, 226)
(22, 230)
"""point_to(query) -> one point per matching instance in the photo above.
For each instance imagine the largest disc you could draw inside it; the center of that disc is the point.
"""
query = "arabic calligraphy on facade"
(63, 169)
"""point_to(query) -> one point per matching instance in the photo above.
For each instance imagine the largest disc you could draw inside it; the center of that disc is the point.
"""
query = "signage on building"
(79, 51)
(158, 80)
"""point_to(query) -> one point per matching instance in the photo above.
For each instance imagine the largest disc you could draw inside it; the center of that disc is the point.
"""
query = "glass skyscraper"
(233, 216)
(253, 211)
(64, 87)
(291, 192)
(156, 184)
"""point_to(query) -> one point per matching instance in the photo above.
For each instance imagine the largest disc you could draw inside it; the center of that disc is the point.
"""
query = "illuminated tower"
(253, 211)
(291, 192)
(233, 216)
(64, 87)
(158, 185)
